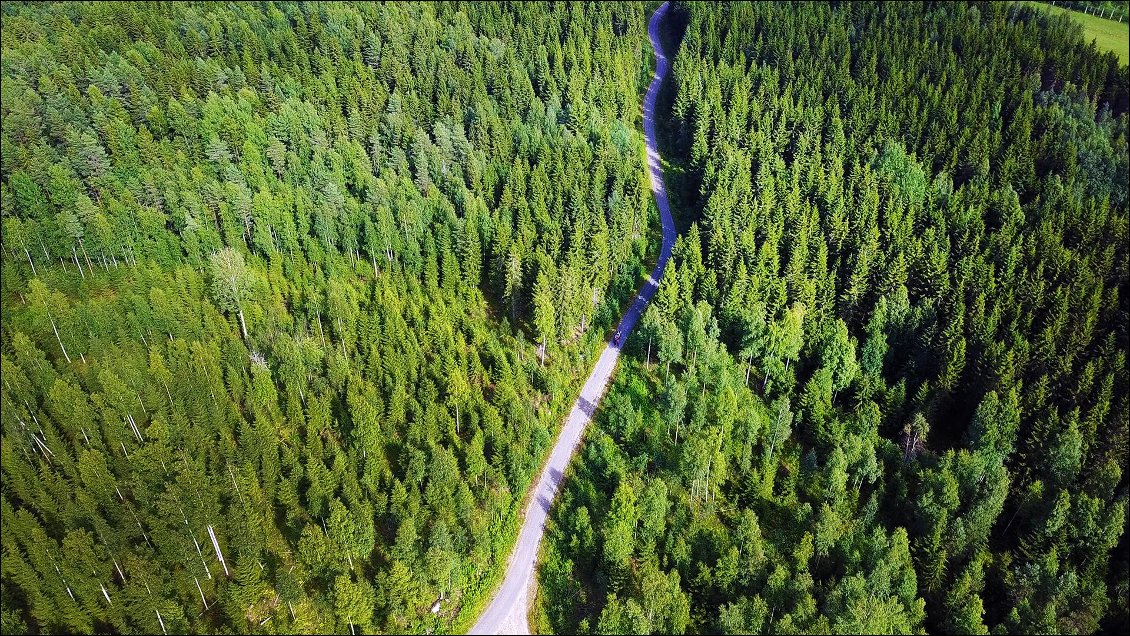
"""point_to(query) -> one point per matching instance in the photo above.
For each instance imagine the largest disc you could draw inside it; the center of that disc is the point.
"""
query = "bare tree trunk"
(199, 553)
(56, 330)
(220, 555)
(773, 437)
(30, 262)
(86, 255)
(74, 254)
(649, 353)
(201, 590)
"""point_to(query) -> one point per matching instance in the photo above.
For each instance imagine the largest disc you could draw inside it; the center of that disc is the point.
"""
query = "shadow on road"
(587, 407)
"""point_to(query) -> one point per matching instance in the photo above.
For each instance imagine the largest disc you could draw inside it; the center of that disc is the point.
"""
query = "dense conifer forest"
(275, 281)
(885, 389)
(294, 298)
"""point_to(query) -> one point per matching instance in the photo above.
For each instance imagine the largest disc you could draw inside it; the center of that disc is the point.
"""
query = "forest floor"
(1107, 34)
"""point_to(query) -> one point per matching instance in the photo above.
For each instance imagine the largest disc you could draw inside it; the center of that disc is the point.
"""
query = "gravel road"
(507, 612)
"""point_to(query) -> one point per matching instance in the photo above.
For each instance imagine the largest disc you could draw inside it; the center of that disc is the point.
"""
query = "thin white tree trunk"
(74, 253)
(219, 554)
(87, 256)
(56, 330)
(242, 324)
(201, 590)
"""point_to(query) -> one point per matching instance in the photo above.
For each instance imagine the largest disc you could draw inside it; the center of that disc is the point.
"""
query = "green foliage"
(272, 272)
(914, 244)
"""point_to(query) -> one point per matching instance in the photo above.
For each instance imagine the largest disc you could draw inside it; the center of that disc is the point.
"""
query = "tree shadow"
(587, 407)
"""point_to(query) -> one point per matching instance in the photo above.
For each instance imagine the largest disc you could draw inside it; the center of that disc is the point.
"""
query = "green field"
(1108, 34)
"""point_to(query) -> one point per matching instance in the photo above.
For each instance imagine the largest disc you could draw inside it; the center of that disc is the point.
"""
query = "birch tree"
(231, 283)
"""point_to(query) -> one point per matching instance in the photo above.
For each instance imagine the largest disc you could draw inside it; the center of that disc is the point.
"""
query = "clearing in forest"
(1107, 34)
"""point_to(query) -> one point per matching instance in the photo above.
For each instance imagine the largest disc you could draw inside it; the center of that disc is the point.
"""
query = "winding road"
(507, 612)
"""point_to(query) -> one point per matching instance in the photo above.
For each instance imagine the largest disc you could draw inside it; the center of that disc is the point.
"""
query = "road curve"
(507, 612)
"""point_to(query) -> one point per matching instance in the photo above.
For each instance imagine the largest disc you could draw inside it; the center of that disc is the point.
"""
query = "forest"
(884, 388)
(294, 299)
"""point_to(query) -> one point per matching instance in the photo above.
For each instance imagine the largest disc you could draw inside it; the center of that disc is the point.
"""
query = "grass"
(1107, 34)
